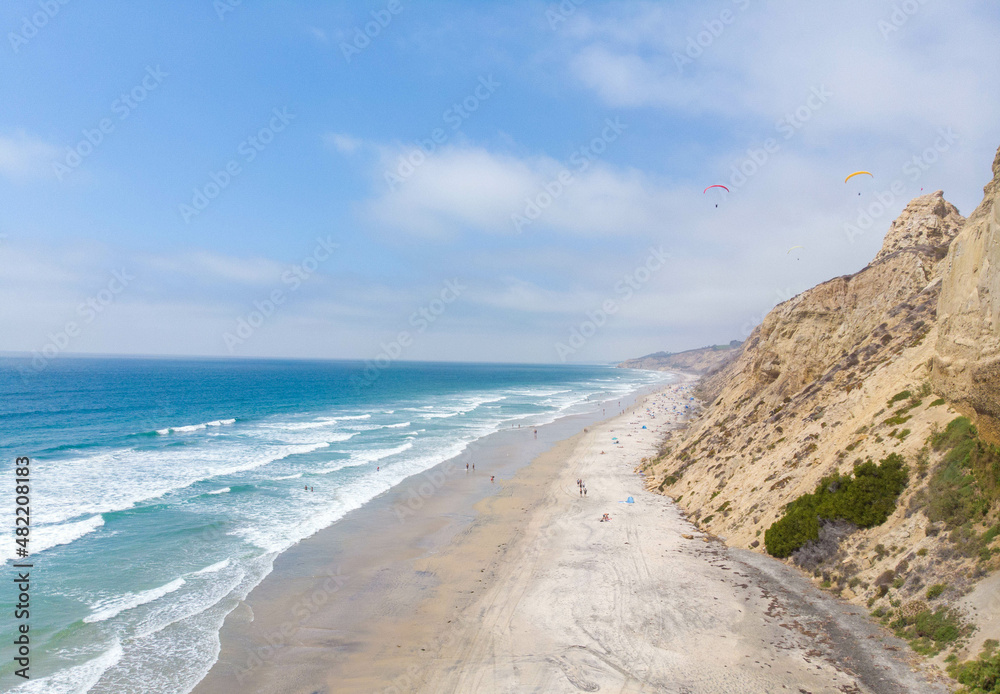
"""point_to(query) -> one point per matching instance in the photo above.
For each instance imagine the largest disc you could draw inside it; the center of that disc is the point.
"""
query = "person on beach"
(585, 491)
(491, 478)
(466, 467)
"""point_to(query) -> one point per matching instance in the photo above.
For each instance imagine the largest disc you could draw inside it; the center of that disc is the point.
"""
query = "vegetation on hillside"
(980, 676)
(867, 498)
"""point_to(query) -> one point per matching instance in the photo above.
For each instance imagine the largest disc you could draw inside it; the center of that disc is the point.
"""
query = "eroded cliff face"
(857, 368)
(840, 329)
(967, 363)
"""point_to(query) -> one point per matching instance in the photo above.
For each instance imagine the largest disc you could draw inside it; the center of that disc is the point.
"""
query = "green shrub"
(867, 498)
(903, 395)
(929, 632)
(936, 590)
(937, 403)
(968, 479)
(981, 676)
(668, 481)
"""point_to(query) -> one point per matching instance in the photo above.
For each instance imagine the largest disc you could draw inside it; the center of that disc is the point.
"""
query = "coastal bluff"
(699, 362)
(901, 358)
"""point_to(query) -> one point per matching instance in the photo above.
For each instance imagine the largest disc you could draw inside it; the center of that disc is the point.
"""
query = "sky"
(465, 181)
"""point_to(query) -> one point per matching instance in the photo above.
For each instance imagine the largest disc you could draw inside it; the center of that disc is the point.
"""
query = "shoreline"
(331, 587)
(534, 593)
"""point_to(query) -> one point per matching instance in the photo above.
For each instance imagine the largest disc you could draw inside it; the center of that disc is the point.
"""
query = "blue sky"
(606, 119)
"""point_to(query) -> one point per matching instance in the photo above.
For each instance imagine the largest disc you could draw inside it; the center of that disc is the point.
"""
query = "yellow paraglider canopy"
(793, 248)
(858, 173)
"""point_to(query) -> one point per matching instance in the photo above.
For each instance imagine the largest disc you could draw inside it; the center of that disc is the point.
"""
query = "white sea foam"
(113, 607)
(195, 427)
(45, 537)
(367, 457)
(93, 484)
(221, 491)
(75, 680)
(218, 566)
(290, 477)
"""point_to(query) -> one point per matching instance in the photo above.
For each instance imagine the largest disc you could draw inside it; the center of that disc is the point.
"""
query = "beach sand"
(533, 593)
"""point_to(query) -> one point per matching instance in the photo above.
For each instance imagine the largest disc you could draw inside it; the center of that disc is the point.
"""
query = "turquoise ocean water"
(162, 490)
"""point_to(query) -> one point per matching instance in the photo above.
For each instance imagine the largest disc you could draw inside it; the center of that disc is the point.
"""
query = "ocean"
(162, 489)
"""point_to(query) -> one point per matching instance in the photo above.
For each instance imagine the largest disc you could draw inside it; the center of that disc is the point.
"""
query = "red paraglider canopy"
(715, 186)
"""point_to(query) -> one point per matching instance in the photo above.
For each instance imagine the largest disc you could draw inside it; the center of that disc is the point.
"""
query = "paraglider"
(859, 173)
(717, 185)
(793, 248)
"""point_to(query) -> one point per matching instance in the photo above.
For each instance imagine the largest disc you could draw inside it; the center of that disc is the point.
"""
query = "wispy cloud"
(25, 157)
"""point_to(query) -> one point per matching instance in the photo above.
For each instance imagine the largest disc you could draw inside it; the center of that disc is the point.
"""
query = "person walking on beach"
(466, 467)
(585, 491)
(491, 478)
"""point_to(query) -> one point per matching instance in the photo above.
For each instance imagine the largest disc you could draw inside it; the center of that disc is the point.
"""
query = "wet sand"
(331, 600)
(532, 593)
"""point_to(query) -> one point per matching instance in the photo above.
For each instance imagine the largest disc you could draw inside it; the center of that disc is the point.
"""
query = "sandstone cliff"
(967, 363)
(857, 368)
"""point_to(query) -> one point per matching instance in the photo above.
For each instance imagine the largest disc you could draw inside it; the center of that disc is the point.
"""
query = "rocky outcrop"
(848, 324)
(967, 363)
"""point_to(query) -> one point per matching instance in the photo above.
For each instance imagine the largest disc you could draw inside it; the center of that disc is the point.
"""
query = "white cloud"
(932, 70)
(472, 189)
(23, 157)
(344, 144)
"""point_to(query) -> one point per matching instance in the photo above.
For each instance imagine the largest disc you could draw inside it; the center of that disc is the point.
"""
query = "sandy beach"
(534, 593)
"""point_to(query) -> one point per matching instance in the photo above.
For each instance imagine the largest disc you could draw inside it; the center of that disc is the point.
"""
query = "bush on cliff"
(865, 498)
(980, 676)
